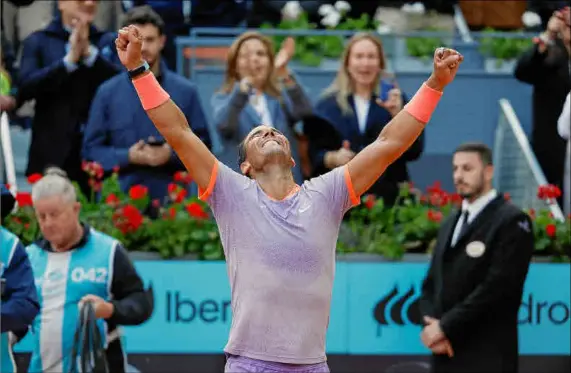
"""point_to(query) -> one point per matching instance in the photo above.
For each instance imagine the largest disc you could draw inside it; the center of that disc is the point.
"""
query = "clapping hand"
(283, 57)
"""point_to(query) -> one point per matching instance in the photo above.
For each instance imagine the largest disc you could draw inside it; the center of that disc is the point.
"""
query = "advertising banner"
(374, 310)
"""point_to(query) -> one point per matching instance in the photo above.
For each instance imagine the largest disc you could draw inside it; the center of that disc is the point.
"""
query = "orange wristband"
(150, 91)
(423, 103)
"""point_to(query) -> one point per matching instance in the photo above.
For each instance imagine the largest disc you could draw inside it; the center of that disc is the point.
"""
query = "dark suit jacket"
(346, 127)
(62, 97)
(548, 73)
(477, 298)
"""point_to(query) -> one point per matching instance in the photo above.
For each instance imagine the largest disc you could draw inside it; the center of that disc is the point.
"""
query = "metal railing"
(517, 171)
(7, 164)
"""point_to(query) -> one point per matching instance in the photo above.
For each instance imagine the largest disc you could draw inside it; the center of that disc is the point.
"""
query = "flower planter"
(498, 66)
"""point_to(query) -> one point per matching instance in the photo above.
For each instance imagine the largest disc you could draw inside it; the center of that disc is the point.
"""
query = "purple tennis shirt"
(280, 257)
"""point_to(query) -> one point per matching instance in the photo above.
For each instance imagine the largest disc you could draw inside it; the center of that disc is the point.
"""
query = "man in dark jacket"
(120, 134)
(546, 67)
(19, 303)
(62, 66)
(472, 291)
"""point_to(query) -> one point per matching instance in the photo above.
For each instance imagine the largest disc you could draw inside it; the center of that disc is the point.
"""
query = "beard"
(474, 191)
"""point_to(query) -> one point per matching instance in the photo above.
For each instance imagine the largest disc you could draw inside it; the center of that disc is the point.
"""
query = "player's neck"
(276, 181)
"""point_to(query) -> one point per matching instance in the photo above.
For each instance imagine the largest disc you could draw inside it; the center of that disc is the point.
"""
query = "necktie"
(465, 224)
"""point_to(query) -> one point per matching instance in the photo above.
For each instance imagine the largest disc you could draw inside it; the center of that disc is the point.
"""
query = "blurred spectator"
(357, 106)
(22, 17)
(7, 77)
(546, 67)
(544, 10)
(259, 89)
(61, 68)
(180, 15)
(120, 134)
(563, 125)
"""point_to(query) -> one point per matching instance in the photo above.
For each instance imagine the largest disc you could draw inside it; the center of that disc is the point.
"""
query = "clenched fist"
(128, 44)
(446, 64)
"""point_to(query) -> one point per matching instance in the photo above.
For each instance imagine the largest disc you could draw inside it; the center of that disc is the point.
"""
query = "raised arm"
(163, 112)
(401, 132)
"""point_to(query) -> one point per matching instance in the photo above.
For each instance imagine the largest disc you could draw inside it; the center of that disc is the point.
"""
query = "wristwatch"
(139, 70)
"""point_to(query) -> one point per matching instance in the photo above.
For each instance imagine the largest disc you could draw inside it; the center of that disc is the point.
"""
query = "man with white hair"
(73, 263)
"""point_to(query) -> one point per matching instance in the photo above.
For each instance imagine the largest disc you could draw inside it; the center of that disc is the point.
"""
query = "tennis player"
(279, 238)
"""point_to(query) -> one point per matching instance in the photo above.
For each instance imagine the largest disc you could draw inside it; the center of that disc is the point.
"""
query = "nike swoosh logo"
(304, 209)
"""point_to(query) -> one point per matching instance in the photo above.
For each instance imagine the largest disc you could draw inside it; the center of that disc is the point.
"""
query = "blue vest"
(8, 243)
(62, 279)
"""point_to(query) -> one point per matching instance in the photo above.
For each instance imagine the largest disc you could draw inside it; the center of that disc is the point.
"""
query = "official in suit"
(358, 105)
(473, 289)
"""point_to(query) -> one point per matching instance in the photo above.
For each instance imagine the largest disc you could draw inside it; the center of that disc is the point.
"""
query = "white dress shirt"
(473, 209)
(260, 104)
(362, 108)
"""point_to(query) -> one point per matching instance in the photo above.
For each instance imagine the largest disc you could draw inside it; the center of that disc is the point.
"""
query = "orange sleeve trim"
(203, 195)
(355, 200)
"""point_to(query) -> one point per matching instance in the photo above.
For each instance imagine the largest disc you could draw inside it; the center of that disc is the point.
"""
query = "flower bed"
(185, 225)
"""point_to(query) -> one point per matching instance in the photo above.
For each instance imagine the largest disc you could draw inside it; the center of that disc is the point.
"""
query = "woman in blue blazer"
(259, 89)
(356, 107)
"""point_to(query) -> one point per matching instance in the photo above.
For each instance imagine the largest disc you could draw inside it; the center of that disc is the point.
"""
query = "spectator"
(546, 67)
(7, 75)
(472, 292)
(62, 66)
(563, 125)
(107, 278)
(119, 132)
(180, 15)
(19, 304)
(358, 105)
(259, 89)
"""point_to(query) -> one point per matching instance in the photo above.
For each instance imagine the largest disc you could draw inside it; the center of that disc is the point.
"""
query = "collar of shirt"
(474, 208)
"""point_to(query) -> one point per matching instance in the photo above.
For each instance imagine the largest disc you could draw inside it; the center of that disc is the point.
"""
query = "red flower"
(112, 200)
(195, 210)
(170, 214)
(176, 193)
(456, 199)
(116, 169)
(24, 199)
(182, 177)
(548, 192)
(93, 169)
(551, 230)
(507, 196)
(94, 184)
(435, 188)
(370, 200)
(156, 203)
(34, 178)
(435, 216)
(138, 192)
(128, 219)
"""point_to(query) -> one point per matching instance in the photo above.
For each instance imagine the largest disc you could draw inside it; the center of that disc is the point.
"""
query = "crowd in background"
(84, 108)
